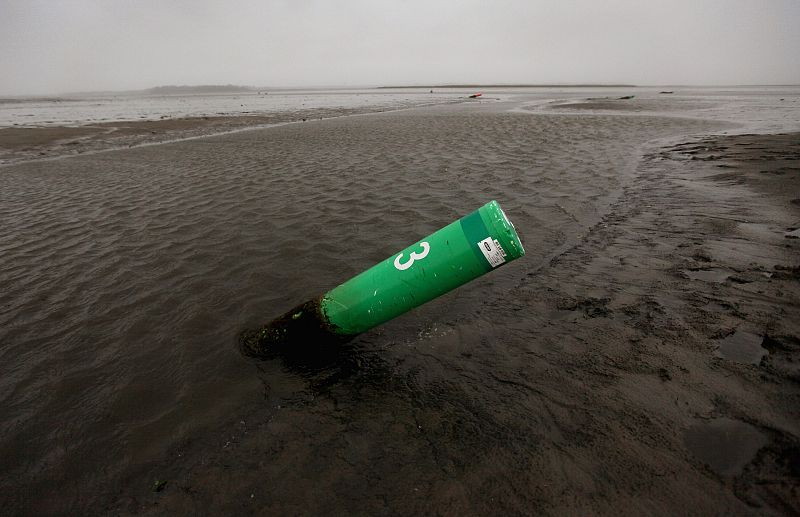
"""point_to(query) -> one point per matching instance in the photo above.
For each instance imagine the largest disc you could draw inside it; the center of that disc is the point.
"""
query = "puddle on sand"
(724, 444)
(742, 347)
(716, 276)
(760, 232)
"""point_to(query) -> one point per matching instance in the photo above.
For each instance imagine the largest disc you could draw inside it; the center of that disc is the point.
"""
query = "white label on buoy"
(493, 252)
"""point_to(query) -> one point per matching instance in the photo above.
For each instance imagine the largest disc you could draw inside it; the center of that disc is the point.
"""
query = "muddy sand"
(26, 143)
(641, 359)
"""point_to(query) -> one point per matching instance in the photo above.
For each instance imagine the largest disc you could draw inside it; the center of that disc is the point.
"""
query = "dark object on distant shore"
(475, 95)
(666, 92)
(627, 97)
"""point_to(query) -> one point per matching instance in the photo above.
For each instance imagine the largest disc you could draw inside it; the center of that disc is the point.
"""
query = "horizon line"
(396, 87)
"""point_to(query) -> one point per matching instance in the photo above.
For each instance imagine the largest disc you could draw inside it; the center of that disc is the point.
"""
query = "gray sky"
(88, 45)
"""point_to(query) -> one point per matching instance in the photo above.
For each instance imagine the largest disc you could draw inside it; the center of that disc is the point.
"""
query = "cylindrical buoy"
(452, 256)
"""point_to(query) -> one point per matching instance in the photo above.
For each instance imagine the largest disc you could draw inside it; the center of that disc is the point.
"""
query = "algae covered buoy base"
(452, 256)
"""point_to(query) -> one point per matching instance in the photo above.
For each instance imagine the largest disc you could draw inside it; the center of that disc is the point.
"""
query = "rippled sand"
(126, 276)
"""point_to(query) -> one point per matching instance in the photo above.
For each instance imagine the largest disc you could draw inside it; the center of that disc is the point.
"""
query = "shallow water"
(724, 444)
(715, 276)
(764, 108)
(127, 275)
(742, 347)
(88, 109)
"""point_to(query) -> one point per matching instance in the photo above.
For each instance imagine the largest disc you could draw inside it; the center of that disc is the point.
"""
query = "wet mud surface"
(21, 144)
(580, 380)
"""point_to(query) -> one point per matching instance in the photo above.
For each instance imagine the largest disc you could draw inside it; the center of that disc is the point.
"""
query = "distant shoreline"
(202, 88)
(235, 89)
(513, 86)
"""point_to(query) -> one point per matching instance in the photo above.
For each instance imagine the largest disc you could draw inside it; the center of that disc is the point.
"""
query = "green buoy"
(452, 256)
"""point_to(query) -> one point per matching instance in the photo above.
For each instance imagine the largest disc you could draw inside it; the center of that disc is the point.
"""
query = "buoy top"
(502, 229)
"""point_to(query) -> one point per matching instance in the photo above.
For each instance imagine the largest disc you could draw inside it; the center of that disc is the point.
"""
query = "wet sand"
(591, 377)
(21, 144)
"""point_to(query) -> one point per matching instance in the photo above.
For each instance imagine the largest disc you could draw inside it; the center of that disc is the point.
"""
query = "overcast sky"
(54, 46)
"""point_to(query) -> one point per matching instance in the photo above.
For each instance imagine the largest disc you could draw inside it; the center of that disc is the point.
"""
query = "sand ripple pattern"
(125, 276)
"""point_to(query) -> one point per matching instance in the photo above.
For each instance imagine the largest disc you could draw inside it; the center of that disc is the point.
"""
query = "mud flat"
(602, 373)
(26, 143)
(692, 378)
